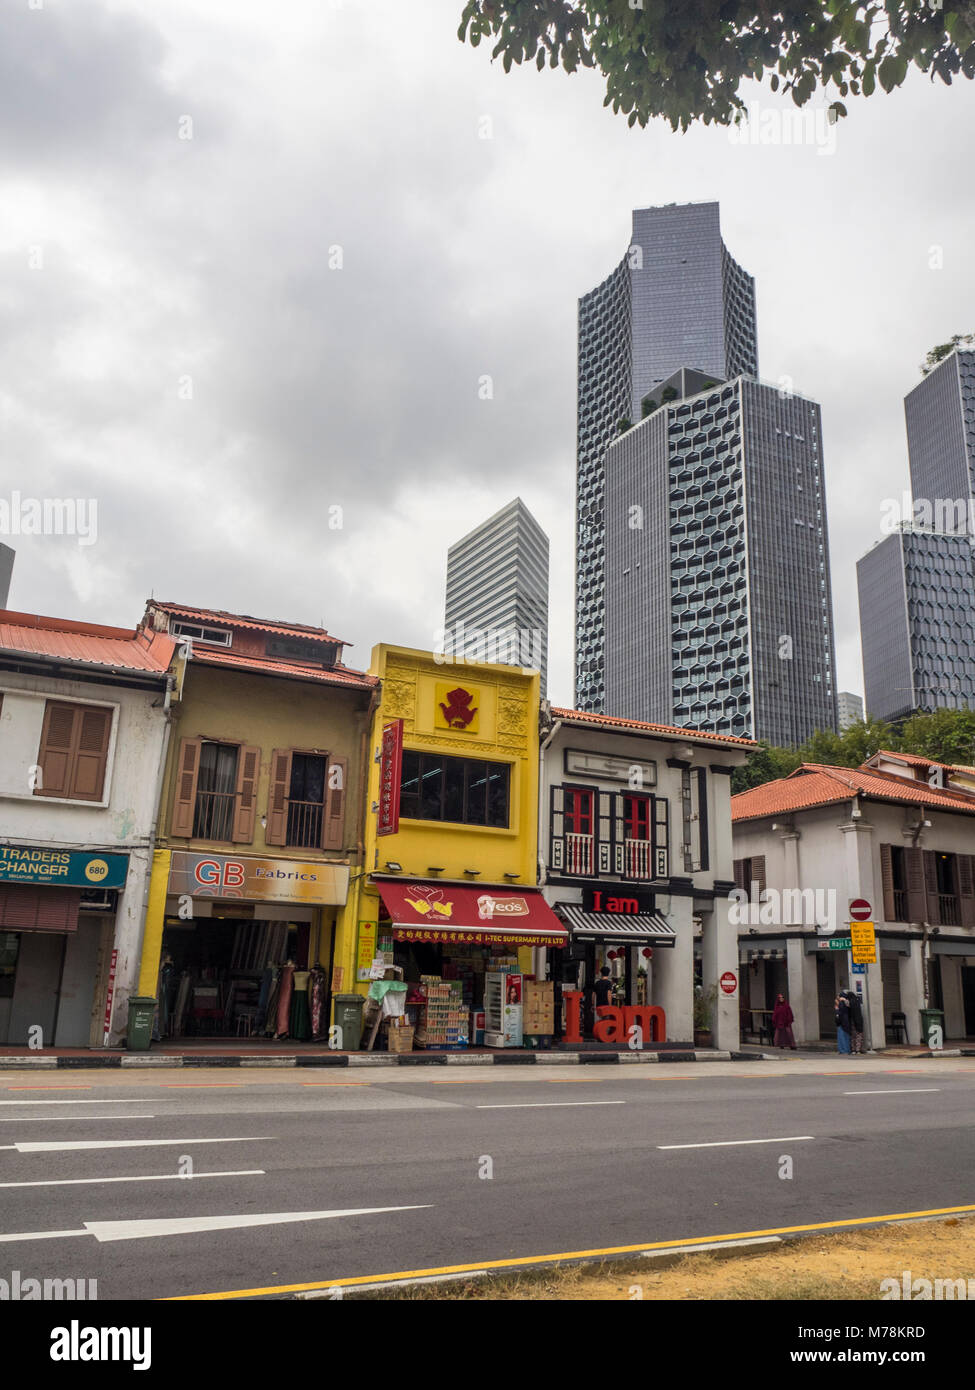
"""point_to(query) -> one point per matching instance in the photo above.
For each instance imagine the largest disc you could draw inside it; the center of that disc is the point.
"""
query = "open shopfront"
(467, 954)
(247, 947)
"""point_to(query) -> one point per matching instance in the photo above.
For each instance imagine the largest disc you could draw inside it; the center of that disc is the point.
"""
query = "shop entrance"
(968, 998)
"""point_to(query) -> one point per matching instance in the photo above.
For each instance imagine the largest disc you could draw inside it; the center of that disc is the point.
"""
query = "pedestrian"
(604, 988)
(856, 1020)
(842, 1023)
(782, 1020)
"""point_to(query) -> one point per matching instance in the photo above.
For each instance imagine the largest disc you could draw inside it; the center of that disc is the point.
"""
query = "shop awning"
(635, 928)
(473, 913)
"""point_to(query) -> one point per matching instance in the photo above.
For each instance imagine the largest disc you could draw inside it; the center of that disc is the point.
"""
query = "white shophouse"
(83, 731)
(636, 859)
(896, 835)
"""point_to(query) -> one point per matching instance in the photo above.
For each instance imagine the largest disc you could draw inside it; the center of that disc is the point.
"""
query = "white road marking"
(895, 1091)
(64, 1119)
(149, 1177)
(109, 1100)
(59, 1146)
(732, 1143)
(188, 1225)
(548, 1104)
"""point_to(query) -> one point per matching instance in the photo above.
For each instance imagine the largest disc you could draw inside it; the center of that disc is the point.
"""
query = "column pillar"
(673, 975)
(719, 955)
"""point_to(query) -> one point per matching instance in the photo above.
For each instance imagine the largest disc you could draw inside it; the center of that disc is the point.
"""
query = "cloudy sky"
(254, 260)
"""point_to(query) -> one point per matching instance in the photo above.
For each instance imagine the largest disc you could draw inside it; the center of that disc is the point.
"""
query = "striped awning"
(634, 928)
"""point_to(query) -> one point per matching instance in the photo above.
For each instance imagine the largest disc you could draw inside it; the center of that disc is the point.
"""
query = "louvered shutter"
(184, 801)
(739, 866)
(619, 833)
(887, 883)
(557, 828)
(758, 875)
(93, 730)
(57, 745)
(933, 914)
(916, 899)
(245, 803)
(334, 818)
(277, 801)
(605, 832)
(966, 889)
(661, 837)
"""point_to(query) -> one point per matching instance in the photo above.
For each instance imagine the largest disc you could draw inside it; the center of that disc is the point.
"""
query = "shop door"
(890, 973)
(36, 987)
(826, 983)
(968, 998)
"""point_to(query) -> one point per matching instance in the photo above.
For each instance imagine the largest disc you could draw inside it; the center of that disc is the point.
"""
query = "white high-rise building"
(849, 709)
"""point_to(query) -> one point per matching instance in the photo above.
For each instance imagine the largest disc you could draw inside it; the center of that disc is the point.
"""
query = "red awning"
(476, 914)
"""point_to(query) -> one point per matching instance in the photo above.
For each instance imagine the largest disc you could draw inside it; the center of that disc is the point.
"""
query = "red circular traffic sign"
(860, 910)
(729, 982)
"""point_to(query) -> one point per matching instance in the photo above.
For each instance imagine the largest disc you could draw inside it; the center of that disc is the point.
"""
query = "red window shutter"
(333, 826)
(887, 883)
(55, 756)
(245, 808)
(916, 900)
(276, 832)
(93, 730)
(184, 801)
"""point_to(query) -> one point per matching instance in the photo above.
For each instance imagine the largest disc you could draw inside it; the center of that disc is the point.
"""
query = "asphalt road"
(391, 1173)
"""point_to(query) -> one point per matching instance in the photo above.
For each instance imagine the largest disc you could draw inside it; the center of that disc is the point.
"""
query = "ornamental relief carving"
(399, 698)
(511, 717)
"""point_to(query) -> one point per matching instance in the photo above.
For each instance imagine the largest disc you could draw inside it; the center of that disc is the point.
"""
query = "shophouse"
(259, 825)
(83, 733)
(895, 838)
(636, 857)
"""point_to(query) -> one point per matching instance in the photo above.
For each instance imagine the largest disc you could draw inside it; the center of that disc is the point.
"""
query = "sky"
(256, 263)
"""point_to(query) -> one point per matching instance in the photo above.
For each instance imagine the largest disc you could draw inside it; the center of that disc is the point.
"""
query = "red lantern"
(648, 952)
(610, 955)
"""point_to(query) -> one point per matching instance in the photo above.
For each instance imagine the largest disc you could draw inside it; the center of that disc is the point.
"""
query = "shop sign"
(264, 880)
(476, 938)
(366, 949)
(614, 1024)
(618, 900)
(67, 868)
(457, 708)
(390, 777)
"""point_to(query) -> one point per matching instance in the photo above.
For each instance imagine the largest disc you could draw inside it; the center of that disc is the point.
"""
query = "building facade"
(497, 592)
(896, 834)
(676, 299)
(917, 623)
(84, 726)
(849, 710)
(259, 825)
(940, 418)
(636, 855)
(710, 502)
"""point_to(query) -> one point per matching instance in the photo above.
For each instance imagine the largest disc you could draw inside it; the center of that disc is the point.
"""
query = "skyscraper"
(676, 299)
(849, 710)
(497, 592)
(940, 417)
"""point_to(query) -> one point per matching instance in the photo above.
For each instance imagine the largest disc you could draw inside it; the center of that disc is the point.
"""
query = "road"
(368, 1176)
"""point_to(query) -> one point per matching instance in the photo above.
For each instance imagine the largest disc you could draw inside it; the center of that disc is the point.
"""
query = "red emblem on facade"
(458, 711)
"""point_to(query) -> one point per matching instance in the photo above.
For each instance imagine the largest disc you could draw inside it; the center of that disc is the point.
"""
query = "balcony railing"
(637, 859)
(948, 914)
(578, 854)
(900, 905)
(213, 818)
(305, 824)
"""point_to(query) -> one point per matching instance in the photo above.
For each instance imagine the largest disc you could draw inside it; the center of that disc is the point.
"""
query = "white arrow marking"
(64, 1119)
(108, 1100)
(57, 1146)
(187, 1225)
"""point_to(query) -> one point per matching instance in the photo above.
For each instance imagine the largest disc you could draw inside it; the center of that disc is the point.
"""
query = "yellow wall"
(505, 729)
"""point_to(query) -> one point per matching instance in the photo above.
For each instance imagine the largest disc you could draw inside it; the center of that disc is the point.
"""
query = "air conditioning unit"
(98, 899)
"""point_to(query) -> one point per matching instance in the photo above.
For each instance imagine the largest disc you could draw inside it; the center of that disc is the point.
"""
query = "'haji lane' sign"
(68, 868)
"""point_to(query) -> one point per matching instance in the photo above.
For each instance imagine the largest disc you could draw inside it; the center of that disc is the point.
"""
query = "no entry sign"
(729, 982)
(860, 910)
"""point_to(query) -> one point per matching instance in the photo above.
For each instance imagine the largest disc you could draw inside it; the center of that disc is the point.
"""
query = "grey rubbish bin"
(932, 1018)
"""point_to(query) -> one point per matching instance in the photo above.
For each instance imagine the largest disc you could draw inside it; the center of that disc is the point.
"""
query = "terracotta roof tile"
(814, 784)
(270, 666)
(122, 649)
(612, 722)
(245, 620)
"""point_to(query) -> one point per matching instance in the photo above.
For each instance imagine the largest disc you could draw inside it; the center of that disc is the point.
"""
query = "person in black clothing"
(856, 1020)
(604, 988)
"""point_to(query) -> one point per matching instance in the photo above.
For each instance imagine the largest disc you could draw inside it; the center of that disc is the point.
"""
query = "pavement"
(157, 1186)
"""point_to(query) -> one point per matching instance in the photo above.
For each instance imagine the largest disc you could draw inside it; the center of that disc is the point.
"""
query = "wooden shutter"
(245, 805)
(758, 874)
(887, 883)
(57, 746)
(557, 828)
(619, 833)
(93, 730)
(184, 801)
(914, 869)
(703, 830)
(278, 798)
(933, 914)
(333, 821)
(739, 867)
(966, 889)
(661, 837)
(604, 832)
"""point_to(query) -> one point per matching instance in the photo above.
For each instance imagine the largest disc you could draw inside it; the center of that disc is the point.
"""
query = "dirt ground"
(850, 1265)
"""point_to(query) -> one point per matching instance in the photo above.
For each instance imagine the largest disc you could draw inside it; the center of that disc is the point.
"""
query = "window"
(216, 790)
(215, 796)
(73, 755)
(637, 817)
(218, 636)
(466, 791)
(578, 811)
(306, 800)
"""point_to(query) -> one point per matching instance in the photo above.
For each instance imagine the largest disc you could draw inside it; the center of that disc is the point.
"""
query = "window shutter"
(661, 837)
(758, 874)
(557, 828)
(245, 805)
(739, 865)
(334, 819)
(933, 914)
(916, 903)
(184, 802)
(276, 832)
(93, 730)
(703, 829)
(887, 883)
(966, 889)
(55, 754)
(605, 832)
(619, 833)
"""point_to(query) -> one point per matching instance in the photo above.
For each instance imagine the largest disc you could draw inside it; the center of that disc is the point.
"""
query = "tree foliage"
(946, 736)
(686, 61)
(939, 353)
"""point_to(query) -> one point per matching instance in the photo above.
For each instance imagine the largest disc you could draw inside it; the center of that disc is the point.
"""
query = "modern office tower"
(497, 592)
(940, 416)
(676, 299)
(917, 623)
(849, 710)
(718, 605)
(7, 556)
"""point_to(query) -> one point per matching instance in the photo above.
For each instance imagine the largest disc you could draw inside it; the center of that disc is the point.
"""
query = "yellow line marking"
(362, 1280)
